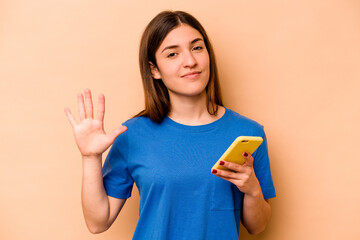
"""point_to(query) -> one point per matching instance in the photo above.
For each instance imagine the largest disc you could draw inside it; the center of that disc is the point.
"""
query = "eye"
(170, 55)
(197, 48)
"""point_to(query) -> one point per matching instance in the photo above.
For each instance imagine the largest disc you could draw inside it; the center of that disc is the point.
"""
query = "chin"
(195, 93)
(190, 90)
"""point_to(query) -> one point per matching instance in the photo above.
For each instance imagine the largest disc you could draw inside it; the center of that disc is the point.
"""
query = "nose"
(189, 60)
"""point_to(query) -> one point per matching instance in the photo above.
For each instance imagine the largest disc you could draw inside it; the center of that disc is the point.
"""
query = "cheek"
(206, 61)
(168, 70)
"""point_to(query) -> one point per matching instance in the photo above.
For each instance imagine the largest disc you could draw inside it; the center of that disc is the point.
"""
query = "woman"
(168, 149)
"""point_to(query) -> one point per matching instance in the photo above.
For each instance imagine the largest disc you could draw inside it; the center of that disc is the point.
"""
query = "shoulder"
(139, 122)
(134, 121)
(138, 127)
(133, 125)
(238, 120)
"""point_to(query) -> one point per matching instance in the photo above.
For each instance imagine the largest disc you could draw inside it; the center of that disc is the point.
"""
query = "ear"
(154, 71)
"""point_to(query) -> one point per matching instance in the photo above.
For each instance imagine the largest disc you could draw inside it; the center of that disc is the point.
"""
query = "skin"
(183, 65)
(99, 210)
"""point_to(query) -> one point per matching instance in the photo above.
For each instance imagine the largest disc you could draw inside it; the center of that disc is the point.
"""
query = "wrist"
(92, 166)
(91, 158)
(255, 191)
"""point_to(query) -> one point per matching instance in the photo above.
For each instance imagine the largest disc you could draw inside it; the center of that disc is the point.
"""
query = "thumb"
(249, 160)
(117, 132)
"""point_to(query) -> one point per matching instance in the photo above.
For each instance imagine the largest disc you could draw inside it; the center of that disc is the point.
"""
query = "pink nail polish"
(214, 171)
(221, 162)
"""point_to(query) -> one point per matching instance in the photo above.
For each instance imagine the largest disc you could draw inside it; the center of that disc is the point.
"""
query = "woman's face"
(183, 62)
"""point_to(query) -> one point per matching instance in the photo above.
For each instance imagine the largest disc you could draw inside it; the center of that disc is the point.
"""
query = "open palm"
(89, 133)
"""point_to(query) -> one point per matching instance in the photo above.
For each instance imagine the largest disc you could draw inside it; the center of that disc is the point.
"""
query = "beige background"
(294, 66)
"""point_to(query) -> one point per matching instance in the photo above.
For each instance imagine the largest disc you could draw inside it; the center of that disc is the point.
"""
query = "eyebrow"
(176, 46)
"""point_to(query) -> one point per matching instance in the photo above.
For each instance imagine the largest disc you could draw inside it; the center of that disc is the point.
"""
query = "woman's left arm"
(256, 210)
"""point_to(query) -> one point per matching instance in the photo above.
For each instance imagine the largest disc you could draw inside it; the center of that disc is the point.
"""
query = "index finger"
(81, 106)
(236, 167)
(249, 160)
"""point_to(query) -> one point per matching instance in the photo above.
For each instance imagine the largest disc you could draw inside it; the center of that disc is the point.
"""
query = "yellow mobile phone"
(234, 152)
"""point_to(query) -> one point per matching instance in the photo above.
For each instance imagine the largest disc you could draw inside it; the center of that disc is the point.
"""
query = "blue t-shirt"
(170, 164)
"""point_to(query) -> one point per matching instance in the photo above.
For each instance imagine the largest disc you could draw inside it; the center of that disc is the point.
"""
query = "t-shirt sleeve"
(262, 169)
(117, 179)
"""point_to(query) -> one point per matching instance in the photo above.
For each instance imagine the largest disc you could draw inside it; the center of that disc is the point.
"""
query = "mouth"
(191, 75)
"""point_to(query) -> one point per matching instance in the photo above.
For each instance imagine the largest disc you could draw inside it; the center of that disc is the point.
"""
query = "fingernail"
(221, 162)
(214, 171)
(245, 154)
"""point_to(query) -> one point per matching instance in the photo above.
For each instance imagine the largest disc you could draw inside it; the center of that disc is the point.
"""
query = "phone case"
(234, 153)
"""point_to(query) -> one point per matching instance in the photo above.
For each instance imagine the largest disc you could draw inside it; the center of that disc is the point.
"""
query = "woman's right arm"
(100, 210)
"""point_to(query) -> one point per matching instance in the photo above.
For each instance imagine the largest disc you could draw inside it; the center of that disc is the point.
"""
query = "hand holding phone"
(240, 145)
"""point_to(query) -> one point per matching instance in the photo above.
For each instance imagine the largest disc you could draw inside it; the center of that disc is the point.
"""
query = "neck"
(191, 111)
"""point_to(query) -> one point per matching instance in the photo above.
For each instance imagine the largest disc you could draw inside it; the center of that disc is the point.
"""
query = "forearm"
(95, 202)
(256, 212)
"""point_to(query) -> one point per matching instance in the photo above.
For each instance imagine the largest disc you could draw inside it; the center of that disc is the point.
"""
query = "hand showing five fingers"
(89, 133)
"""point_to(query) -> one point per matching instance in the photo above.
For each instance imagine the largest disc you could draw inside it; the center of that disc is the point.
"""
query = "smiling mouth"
(191, 75)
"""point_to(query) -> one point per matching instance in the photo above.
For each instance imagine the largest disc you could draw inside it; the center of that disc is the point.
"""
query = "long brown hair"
(157, 101)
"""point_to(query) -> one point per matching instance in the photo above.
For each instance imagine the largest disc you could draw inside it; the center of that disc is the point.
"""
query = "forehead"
(183, 34)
